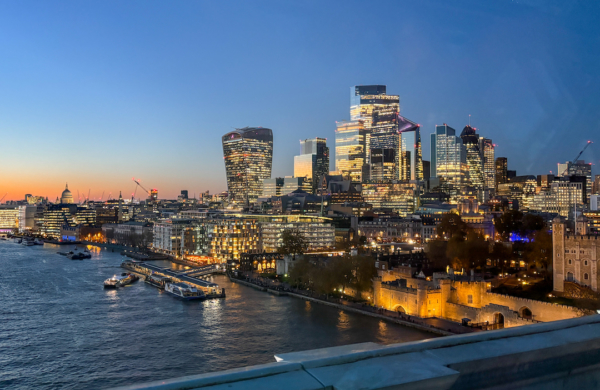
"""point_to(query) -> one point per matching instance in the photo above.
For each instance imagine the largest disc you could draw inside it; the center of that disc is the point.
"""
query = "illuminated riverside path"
(59, 328)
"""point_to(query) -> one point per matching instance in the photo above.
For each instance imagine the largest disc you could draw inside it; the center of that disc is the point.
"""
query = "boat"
(157, 281)
(27, 243)
(75, 256)
(120, 280)
(183, 291)
(86, 254)
(38, 242)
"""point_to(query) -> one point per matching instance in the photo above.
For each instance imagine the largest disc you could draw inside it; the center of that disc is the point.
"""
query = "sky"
(95, 93)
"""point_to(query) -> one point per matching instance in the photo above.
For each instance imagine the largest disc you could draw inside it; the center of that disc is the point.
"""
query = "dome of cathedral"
(66, 196)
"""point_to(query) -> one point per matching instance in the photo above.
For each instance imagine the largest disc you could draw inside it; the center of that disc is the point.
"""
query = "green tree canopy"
(452, 225)
(509, 222)
(293, 243)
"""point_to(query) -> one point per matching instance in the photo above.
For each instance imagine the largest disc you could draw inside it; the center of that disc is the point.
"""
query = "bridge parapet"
(560, 354)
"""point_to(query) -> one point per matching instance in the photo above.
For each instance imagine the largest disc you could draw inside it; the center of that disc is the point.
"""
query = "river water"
(59, 328)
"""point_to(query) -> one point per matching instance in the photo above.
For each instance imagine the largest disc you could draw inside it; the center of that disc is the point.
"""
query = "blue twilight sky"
(96, 92)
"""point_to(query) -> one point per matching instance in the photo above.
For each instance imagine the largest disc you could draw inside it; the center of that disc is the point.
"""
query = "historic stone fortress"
(446, 297)
(575, 256)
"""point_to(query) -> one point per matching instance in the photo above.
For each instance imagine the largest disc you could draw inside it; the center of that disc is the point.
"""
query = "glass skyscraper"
(470, 140)
(350, 149)
(371, 104)
(411, 161)
(488, 150)
(449, 160)
(248, 155)
(313, 161)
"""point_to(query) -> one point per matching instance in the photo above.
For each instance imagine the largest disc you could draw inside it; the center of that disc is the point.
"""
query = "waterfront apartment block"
(9, 218)
(318, 235)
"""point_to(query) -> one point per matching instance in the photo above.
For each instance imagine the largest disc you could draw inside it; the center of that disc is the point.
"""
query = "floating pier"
(190, 276)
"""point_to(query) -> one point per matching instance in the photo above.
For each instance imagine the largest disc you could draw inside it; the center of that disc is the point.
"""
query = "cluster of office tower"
(376, 145)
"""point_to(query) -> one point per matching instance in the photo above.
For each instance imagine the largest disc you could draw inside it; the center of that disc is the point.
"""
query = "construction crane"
(577, 158)
(102, 197)
(137, 181)
(3, 197)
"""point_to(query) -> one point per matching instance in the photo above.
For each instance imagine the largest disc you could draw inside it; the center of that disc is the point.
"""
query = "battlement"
(529, 301)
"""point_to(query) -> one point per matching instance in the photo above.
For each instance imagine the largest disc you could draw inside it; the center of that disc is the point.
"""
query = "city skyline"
(58, 105)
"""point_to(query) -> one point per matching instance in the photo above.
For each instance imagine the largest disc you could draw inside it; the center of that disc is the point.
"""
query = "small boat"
(183, 291)
(27, 243)
(75, 256)
(86, 254)
(38, 242)
(157, 281)
(120, 280)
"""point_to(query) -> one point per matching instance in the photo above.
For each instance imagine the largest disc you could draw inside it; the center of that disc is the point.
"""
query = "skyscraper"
(449, 160)
(313, 161)
(248, 155)
(470, 140)
(378, 111)
(580, 168)
(350, 149)
(374, 107)
(411, 160)
(385, 156)
(488, 150)
(501, 171)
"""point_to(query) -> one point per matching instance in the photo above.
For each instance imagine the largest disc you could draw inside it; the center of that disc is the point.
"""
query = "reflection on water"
(60, 328)
(343, 320)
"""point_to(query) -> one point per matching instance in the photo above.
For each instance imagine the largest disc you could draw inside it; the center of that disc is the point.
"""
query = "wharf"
(211, 289)
(144, 256)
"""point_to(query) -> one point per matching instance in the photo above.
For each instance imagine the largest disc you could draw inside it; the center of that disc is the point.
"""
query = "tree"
(300, 273)
(476, 250)
(500, 254)
(436, 253)
(363, 272)
(530, 224)
(451, 225)
(539, 251)
(293, 243)
(509, 222)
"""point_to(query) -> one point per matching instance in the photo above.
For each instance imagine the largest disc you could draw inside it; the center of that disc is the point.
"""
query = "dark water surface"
(59, 328)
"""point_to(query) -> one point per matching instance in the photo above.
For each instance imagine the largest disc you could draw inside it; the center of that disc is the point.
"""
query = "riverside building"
(248, 155)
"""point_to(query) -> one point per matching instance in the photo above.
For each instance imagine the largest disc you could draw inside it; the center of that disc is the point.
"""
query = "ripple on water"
(61, 330)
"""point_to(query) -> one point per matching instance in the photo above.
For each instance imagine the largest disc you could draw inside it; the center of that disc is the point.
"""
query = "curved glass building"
(248, 155)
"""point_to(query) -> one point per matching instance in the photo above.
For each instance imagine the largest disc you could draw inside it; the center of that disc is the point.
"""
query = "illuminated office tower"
(470, 140)
(350, 149)
(488, 151)
(411, 158)
(501, 171)
(449, 161)
(378, 111)
(371, 104)
(384, 161)
(580, 168)
(248, 155)
(313, 161)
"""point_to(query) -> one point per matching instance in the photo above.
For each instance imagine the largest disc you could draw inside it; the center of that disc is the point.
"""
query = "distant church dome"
(66, 196)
